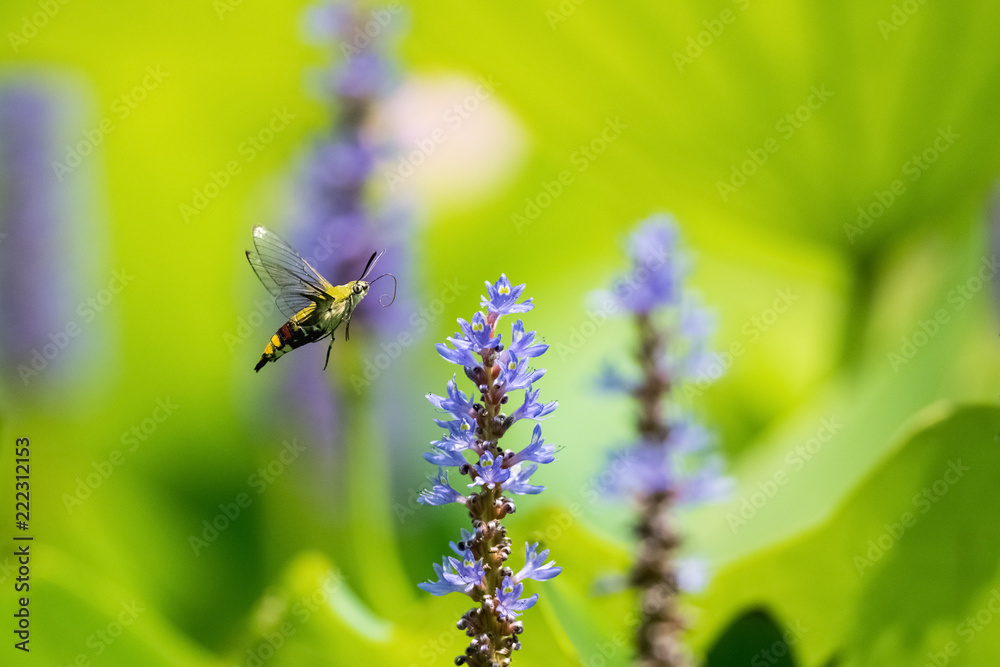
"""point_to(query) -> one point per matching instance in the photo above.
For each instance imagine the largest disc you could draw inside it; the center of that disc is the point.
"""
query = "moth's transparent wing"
(291, 280)
(289, 304)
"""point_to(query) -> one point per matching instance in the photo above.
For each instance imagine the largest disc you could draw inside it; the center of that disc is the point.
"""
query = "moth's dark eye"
(357, 289)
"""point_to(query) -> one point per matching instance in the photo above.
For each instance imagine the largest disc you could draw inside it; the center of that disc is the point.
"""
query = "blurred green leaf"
(81, 616)
(754, 639)
(798, 473)
(893, 576)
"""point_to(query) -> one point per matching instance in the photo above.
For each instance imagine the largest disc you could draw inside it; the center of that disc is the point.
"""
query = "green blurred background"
(833, 104)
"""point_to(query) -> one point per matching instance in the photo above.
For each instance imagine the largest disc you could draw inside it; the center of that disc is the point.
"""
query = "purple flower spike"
(671, 461)
(36, 291)
(339, 216)
(497, 474)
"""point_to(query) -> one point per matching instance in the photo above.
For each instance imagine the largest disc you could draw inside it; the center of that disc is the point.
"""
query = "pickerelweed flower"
(338, 218)
(34, 297)
(338, 223)
(471, 443)
(671, 461)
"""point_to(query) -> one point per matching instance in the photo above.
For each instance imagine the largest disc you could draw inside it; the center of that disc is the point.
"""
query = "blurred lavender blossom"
(31, 307)
(672, 461)
(337, 223)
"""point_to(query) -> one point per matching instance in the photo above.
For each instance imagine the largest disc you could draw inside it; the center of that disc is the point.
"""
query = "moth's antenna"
(370, 264)
(386, 305)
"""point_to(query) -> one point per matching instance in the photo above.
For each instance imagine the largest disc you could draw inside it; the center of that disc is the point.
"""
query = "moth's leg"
(329, 347)
(348, 331)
